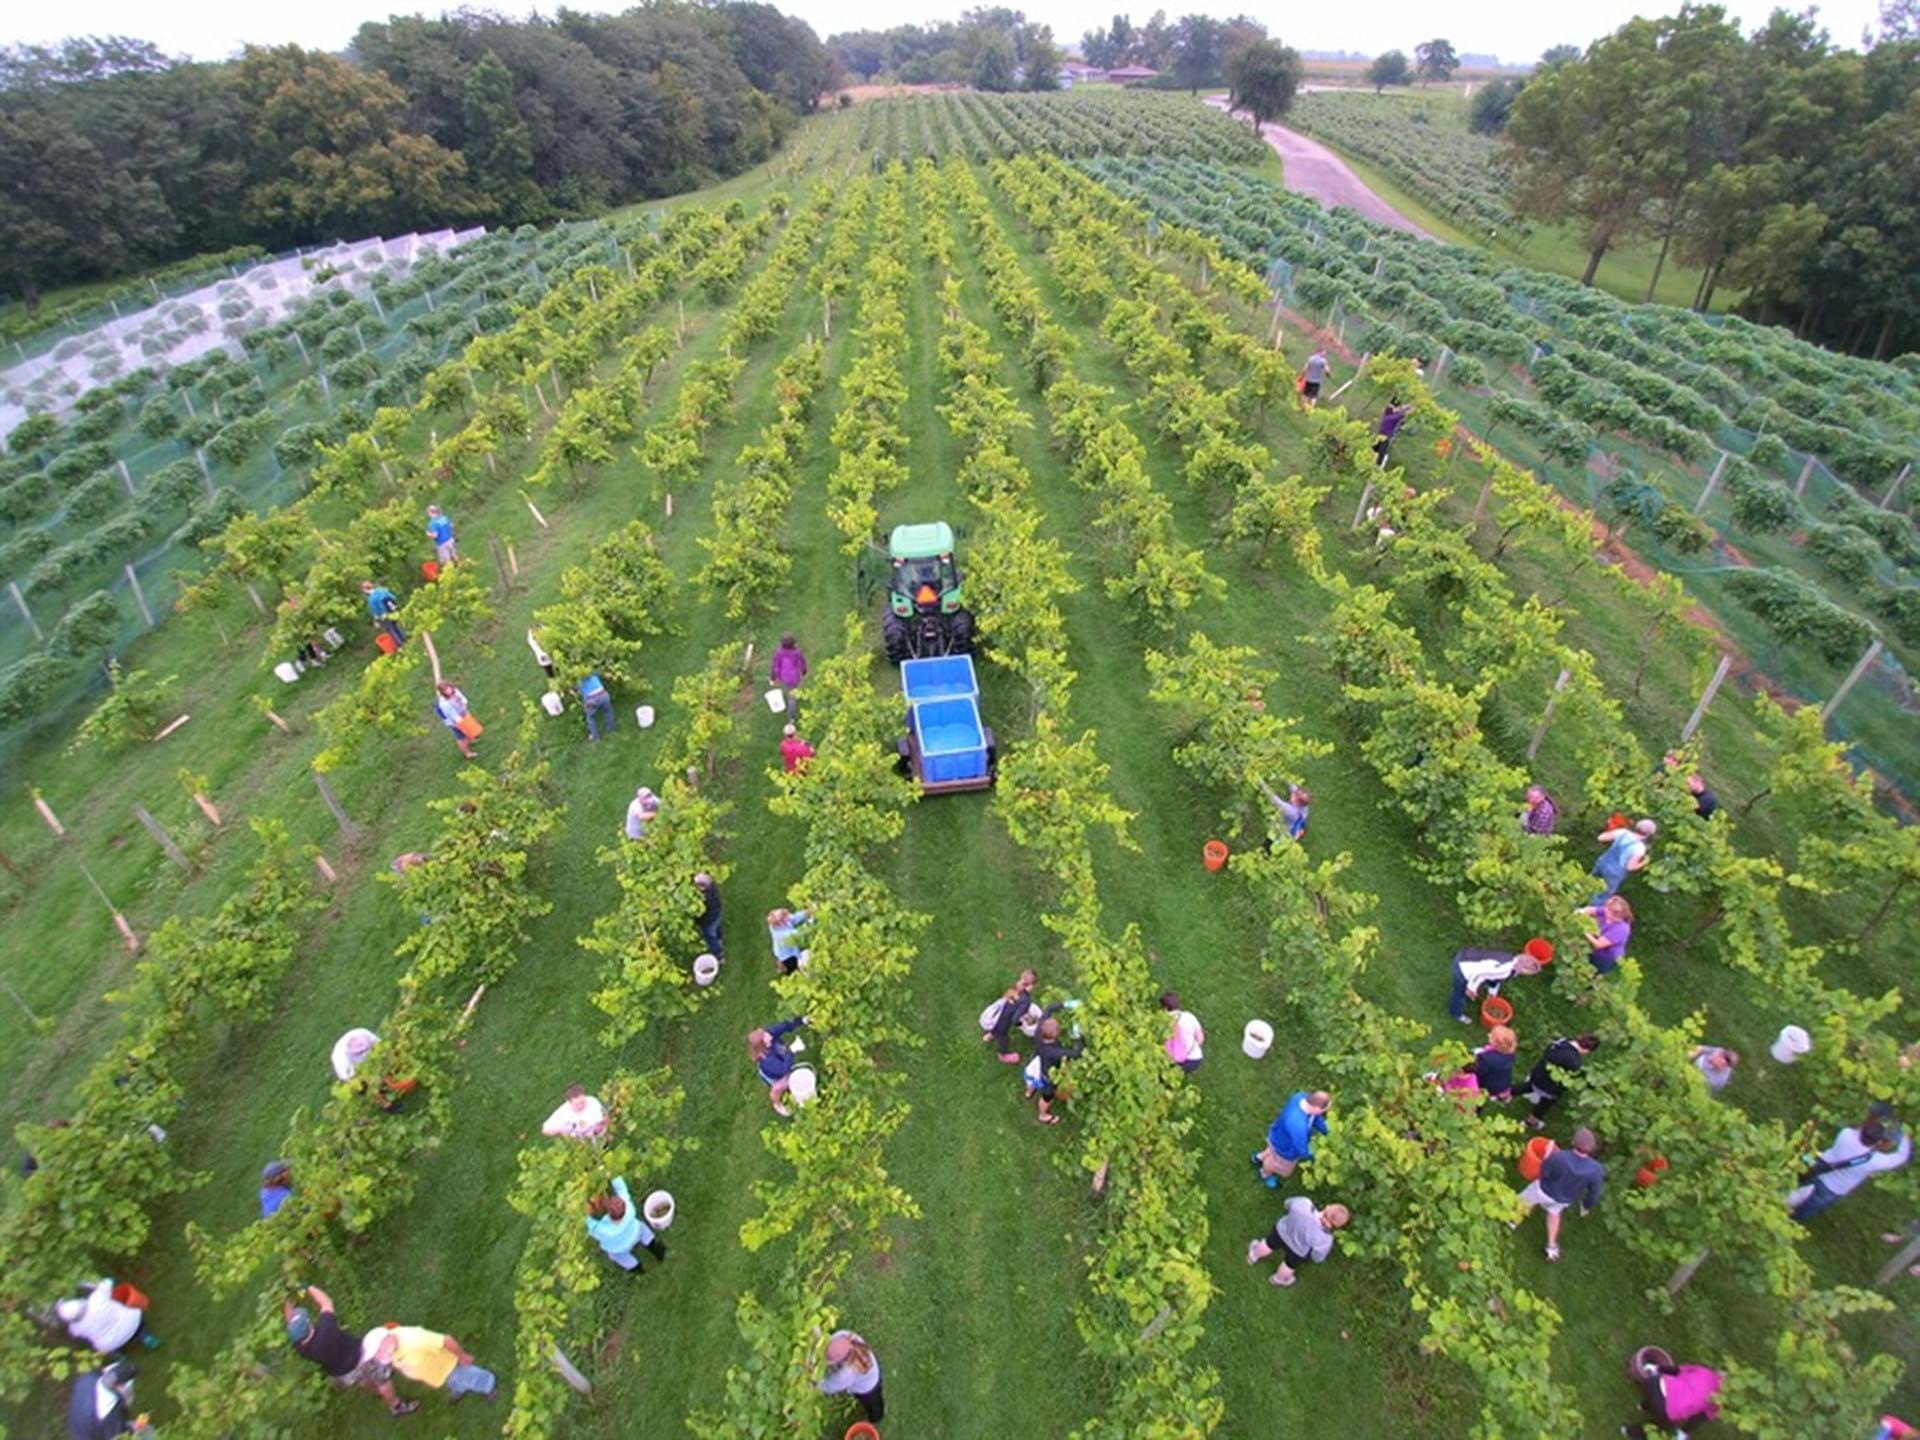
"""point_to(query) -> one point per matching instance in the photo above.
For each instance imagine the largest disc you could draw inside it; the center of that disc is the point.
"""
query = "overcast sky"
(1511, 29)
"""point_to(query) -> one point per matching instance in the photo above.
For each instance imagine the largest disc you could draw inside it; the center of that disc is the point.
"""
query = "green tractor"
(925, 614)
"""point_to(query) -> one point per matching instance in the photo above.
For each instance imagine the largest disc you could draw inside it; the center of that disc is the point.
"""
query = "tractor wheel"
(960, 633)
(893, 632)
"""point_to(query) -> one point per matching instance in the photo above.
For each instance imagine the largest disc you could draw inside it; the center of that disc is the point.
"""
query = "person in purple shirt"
(1541, 814)
(788, 670)
(1614, 917)
(1390, 421)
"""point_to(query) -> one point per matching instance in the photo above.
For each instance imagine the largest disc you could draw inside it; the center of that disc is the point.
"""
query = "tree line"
(115, 156)
(1000, 49)
(1778, 163)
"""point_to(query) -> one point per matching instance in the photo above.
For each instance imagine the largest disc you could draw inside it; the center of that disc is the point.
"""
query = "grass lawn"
(981, 1290)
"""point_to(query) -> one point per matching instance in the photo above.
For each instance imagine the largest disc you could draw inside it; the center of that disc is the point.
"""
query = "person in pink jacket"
(788, 670)
(1678, 1397)
(1184, 1044)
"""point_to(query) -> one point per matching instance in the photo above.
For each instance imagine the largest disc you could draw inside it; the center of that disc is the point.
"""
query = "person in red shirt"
(794, 752)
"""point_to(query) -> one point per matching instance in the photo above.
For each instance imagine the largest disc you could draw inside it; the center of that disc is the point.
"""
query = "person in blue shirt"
(599, 703)
(773, 1058)
(440, 529)
(382, 605)
(276, 1184)
(782, 927)
(614, 1221)
(1290, 1137)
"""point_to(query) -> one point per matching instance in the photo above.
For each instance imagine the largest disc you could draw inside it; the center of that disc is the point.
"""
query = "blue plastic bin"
(953, 745)
(939, 678)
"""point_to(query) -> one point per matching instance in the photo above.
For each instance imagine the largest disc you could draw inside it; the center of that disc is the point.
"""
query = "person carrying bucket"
(382, 606)
(853, 1369)
(773, 1059)
(440, 531)
(450, 703)
(1566, 1176)
(614, 1222)
(1476, 970)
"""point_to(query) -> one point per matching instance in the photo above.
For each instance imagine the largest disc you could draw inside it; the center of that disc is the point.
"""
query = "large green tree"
(1436, 59)
(1196, 56)
(1265, 77)
(1390, 67)
(499, 146)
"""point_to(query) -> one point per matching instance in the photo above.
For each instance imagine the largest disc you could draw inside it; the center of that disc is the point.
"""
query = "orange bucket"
(1495, 1011)
(1534, 1156)
(385, 643)
(861, 1430)
(430, 569)
(1214, 854)
(127, 1295)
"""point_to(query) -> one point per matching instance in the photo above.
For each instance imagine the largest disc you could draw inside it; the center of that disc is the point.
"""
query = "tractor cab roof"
(920, 542)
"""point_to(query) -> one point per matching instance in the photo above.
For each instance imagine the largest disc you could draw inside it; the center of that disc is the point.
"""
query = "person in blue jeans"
(1290, 1137)
(599, 703)
(1878, 1144)
(1475, 970)
(382, 605)
(1626, 852)
(709, 918)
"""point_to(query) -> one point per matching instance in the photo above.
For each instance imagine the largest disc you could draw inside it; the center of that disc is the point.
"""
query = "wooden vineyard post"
(1480, 505)
(1360, 510)
(208, 809)
(140, 597)
(1713, 688)
(537, 515)
(131, 940)
(1908, 1254)
(1540, 730)
(281, 725)
(326, 871)
(499, 565)
(568, 1373)
(348, 830)
(20, 602)
(1853, 678)
(1806, 474)
(1678, 1281)
(1886, 500)
(46, 814)
(433, 655)
(1713, 483)
(164, 840)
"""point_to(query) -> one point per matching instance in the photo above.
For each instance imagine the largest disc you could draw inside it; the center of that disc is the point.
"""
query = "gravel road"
(1316, 172)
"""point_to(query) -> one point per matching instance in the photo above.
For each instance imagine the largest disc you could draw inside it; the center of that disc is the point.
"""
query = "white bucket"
(1257, 1039)
(643, 717)
(776, 700)
(1030, 1022)
(1790, 1044)
(706, 969)
(332, 637)
(287, 671)
(803, 959)
(657, 1210)
(802, 1085)
(550, 702)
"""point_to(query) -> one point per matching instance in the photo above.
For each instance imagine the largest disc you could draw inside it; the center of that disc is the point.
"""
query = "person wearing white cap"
(645, 806)
(101, 1321)
(351, 1050)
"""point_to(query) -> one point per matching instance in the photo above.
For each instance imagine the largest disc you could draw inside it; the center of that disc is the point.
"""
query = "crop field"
(1756, 467)
(697, 434)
